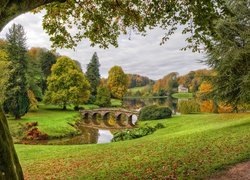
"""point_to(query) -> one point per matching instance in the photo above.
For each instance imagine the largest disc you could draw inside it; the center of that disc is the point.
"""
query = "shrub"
(33, 133)
(103, 97)
(154, 112)
(188, 106)
(136, 133)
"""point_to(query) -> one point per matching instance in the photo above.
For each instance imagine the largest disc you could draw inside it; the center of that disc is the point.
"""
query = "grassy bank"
(51, 120)
(135, 89)
(191, 146)
(182, 95)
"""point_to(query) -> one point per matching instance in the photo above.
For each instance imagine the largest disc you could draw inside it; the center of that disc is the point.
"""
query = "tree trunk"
(10, 168)
(9, 164)
(12, 8)
(64, 107)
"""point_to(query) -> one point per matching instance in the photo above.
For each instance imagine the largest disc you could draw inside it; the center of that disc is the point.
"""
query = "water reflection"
(88, 136)
(105, 136)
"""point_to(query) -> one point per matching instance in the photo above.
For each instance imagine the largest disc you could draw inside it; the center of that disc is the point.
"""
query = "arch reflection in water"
(134, 119)
(88, 136)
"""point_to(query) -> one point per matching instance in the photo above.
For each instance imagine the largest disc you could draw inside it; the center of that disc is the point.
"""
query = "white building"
(182, 89)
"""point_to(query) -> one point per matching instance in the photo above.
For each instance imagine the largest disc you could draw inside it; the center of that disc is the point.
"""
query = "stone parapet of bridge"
(110, 117)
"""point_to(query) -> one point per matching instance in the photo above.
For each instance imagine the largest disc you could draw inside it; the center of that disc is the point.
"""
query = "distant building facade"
(182, 89)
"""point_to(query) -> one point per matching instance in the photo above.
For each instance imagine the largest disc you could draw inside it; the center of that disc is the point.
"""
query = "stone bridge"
(109, 117)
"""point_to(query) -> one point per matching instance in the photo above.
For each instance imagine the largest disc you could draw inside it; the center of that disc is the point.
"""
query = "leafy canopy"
(103, 97)
(229, 56)
(117, 82)
(103, 21)
(67, 84)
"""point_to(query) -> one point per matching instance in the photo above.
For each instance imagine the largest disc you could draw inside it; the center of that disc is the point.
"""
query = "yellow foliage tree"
(33, 101)
(4, 73)
(117, 82)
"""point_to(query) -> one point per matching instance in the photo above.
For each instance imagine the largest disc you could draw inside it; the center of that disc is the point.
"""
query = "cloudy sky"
(139, 55)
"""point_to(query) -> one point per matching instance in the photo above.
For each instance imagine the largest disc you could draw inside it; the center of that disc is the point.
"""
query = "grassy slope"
(51, 120)
(116, 102)
(190, 146)
(135, 89)
(182, 95)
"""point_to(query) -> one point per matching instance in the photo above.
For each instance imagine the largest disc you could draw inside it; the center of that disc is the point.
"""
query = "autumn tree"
(16, 87)
(136, 80)
(67, 84)
(168, 83)
(103, 97)
(93, 74)
(117, 82)
(33, 101)
(107, 20)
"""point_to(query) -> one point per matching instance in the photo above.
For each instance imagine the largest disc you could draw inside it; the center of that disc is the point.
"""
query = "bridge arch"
(96, 117)
(107, 118)
(121, 119)
(86, 118)
(132, 119)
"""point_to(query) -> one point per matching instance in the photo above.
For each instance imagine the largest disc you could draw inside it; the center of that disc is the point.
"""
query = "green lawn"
(116, 102)
(135, 89)
(191, 147)
(51, 120)
(182, 95)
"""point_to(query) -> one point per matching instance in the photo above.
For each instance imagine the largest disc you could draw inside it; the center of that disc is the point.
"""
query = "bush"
(136, 133)
(154, 112)
(103, 97)
(33, 133)
(188, 106)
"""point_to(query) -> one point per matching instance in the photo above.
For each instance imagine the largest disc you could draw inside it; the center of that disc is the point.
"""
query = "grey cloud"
(141, 55)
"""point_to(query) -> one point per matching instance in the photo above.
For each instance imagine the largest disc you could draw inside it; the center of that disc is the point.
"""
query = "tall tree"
(16, 95)
(67, 84)
(47, 59)
(230, 55)
(34, 71)
(117, 82)
(93, 74)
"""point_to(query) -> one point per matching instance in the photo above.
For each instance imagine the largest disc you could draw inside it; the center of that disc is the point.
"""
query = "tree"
(93, 74)
(168, 83)
(33, 101)
(9, 164)
(117, 82)
(229, 56)
(97, 20)
(4, 73)
(103, 97)
(136, 80)
(16, 87)
(47, 59)
(67, 84)
(34, 74)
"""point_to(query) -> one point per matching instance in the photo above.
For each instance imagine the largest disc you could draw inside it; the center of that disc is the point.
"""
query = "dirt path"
(240, 171)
